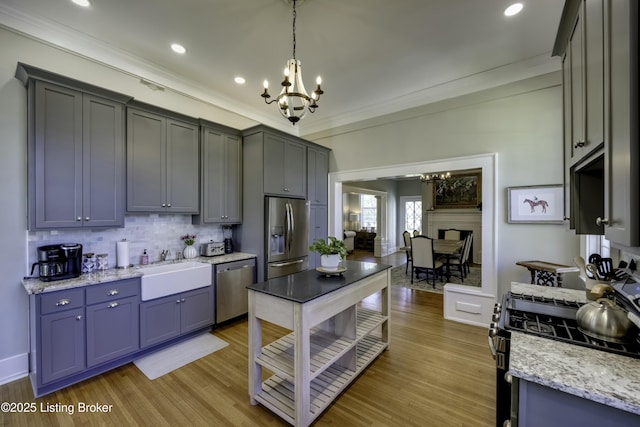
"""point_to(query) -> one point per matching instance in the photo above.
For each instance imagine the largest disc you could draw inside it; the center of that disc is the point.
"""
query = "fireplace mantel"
(462, 219)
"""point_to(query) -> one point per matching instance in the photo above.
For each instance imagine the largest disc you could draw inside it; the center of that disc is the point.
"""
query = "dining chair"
(407, 248)
(452, 234)
(416, 233)
(461, 260)
(423, 259)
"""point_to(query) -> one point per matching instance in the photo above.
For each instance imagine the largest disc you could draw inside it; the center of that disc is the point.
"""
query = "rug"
(400, 278)
(166, 360)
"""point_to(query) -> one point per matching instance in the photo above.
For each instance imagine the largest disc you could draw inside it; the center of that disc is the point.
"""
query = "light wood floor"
(435, 373)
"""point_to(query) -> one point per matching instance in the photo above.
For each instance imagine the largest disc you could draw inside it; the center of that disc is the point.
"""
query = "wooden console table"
(332, 342)
(546, 273)
(365, 240)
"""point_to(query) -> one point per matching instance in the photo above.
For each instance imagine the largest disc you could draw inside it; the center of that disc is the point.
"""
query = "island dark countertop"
(308, 285)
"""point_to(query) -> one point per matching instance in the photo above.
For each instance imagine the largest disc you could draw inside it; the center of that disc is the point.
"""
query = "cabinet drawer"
(113, 290)
(61, 301)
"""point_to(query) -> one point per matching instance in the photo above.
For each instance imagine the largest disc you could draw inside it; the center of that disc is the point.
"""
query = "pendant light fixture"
(441, 176)
(293, 100)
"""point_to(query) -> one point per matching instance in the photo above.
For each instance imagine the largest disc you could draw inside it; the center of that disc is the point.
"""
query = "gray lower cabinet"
(540, 406)
(80, 332)
(168, 317)
(163, 169)
(221, 186)
(62, 345)
(76, 153)
(112, 329)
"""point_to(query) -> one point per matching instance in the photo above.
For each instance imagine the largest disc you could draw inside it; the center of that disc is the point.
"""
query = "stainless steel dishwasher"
(231, 281)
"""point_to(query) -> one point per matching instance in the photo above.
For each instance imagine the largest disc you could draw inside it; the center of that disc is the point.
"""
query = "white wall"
(522, 122)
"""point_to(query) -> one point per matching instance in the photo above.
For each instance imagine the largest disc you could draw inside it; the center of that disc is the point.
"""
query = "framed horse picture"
(541, 203)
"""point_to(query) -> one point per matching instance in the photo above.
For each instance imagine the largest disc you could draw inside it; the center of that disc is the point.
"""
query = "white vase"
(190, 252)
(330, 262)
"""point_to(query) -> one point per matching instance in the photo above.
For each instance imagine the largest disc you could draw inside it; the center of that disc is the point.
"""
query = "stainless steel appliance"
(231, 281)
(58, 262)
(287, 240)
(548, 318)
(212, 249)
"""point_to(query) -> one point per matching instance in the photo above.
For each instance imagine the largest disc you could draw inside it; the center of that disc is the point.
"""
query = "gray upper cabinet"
(598, 40)
(221, 186)
(285, 165)
(317, 173)
(622, 180)
(76, 152)
(162, 161)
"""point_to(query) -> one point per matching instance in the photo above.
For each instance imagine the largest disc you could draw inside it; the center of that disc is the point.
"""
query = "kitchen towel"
(122, 254)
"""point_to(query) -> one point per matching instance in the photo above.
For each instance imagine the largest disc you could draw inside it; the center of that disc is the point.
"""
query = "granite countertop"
(602, 377)
(307, 285)
(37, 286)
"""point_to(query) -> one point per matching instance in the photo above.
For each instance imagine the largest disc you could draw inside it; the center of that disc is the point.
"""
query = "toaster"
(212, 249)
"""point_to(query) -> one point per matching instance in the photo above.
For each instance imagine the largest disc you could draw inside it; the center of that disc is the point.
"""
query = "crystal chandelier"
(293, 100)
(435, 177)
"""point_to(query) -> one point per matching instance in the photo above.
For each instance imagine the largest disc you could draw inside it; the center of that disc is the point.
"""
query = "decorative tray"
(331, 272)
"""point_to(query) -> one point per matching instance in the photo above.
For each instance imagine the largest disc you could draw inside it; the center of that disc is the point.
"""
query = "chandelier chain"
(294, 29)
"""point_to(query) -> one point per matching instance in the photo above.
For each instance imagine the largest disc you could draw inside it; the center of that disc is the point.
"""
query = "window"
(412, 213)
(368, 210)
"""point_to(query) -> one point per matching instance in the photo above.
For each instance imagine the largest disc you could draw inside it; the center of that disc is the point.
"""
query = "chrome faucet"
(164, 254)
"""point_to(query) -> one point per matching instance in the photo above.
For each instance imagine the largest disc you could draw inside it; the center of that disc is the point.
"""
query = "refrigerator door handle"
(287, 230)
(284, 264)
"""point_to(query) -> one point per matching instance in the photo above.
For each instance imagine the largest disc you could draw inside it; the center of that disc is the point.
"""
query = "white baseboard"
(13, 368)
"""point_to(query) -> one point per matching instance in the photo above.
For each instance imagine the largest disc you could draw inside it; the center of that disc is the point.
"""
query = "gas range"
(555, 319)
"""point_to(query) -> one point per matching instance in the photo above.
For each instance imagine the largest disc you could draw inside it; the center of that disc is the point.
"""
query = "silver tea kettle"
(604, 320)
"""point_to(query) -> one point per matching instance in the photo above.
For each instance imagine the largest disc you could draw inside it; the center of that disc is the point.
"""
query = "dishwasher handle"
(236, 267)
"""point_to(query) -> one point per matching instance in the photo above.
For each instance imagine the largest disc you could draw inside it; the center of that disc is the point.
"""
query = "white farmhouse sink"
(168, 279)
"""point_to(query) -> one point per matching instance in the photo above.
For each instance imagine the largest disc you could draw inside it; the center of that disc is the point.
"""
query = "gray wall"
(522, 122)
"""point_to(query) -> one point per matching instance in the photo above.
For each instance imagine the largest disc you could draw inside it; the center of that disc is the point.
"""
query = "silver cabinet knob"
(164, 205)
(177, 301)
(79, 218)
(63, 302)
(168, 205)
(182, 300)
(78, 317)
(602, 221)
(113, 292)
(86, 218)
(114, 304)
(579, 144)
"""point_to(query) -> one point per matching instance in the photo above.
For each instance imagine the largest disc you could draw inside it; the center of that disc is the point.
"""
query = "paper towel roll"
(122, 254)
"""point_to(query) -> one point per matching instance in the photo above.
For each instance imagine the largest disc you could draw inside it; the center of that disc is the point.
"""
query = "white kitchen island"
(332, 340)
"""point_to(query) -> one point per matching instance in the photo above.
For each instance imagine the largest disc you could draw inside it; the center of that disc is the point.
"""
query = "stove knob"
(495, 317)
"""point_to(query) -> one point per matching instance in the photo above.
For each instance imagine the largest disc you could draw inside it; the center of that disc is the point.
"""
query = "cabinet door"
(274, 165)
(594, 74)
(285, 166)
(233, 179)
(56, 158)
(183, 168)
(196, 309)
(622, 190)
(103, 160)
(146, 162)
(575, 50)
(159, 320)
(221, 177)
(112, 330)
(62, 344)
(317, 230)
(317, 173)
(295, 169)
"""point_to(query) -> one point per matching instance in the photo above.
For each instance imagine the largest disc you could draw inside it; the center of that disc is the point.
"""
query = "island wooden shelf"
(333, 338)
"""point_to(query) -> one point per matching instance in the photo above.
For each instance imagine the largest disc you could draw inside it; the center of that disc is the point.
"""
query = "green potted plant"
(331, 251)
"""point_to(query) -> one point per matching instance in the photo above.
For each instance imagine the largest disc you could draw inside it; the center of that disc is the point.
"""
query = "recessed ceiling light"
(83, 3)
(239, 80)
(178, 48)
(514, 9)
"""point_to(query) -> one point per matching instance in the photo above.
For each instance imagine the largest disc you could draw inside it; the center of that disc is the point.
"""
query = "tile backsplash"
(152, 232)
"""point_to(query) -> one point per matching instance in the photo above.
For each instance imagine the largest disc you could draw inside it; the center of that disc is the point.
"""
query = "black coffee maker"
(58, 262)
(227, 234)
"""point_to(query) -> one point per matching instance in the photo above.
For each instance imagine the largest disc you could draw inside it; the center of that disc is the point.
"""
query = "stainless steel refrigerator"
(287, 239)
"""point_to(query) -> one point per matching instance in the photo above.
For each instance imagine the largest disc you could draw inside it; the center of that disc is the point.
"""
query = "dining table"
(447, 248)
